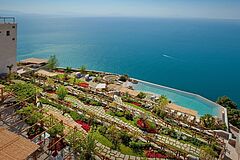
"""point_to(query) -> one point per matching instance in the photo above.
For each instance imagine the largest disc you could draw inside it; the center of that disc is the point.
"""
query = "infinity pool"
(181, 98)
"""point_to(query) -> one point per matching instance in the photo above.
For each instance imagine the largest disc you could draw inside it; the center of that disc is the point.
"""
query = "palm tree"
(61, 92)
(50, 82)
(9, 71)
(52, 62)
(208, 121)
(162, 102)
(74, 140)
(57, 129)
(82, 69)
(87, 148)
(68, 69)
(114, 136)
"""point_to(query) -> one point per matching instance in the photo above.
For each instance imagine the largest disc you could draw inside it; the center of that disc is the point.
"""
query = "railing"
(7, 19)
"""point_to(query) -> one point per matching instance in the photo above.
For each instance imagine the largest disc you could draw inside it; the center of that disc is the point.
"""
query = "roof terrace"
(7, 20)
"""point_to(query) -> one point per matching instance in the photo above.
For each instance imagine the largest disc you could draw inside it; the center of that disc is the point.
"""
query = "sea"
(196, 55)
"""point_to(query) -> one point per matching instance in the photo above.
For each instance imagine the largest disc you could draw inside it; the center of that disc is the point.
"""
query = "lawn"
(123, 149)
(128, 151)
(127, 121)
(137, 107)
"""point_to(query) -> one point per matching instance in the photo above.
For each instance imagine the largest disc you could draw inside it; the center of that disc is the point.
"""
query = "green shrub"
(151, 125)
(102, 130)
(119, 113)
(125, 137)
(141, 95)
(32, 113)
(23, 91)
(128, 115)
(56, 129)
(165, 131)
(58, 106)
(138, 146)
(76, 116)
(61, 92)
(94, 103)
(52, 62)
(123, 78)
(89, 101)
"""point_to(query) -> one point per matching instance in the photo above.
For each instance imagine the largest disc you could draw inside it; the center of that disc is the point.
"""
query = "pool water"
(188, 100)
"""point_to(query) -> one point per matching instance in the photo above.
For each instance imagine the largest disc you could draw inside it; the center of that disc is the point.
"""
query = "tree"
(52, 62)
(141, 95)
(114, 136)
(87, 148)
(125, 137)
(232, 110)
(226, 102)
(162, 102)
(234, 117)
(74, 139)
(57, 129)
(68, 69)
(83, 147)
(208, 121)
(82, 69)
(124, 78)
(61, 92)
(32, 113)
(24, 91)
(207, 153)
(50, 81)
(26, 111)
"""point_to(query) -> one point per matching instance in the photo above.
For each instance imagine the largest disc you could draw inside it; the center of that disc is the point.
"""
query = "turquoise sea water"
(199, 56)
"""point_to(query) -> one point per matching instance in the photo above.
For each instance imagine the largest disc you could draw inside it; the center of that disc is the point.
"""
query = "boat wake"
(167, 56)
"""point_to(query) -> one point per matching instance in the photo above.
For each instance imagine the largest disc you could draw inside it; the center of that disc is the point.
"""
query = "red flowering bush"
(60, 71)
(84, 84)
(146, 125)
(84, 125)
(137, 104)
(140, 123)
(152, 154)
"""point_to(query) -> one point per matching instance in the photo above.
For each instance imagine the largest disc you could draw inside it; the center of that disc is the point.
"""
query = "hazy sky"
(133, 8)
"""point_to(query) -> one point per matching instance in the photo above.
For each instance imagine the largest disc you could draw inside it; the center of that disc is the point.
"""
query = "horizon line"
(55, 15)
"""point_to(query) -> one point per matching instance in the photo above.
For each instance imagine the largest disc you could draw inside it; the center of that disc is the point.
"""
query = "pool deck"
(182, 109)
(222, 111)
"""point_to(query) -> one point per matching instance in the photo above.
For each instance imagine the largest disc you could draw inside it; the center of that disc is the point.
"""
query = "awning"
(34, 61)
(15, 147)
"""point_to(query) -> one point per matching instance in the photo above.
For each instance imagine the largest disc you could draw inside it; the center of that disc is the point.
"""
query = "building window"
(13, 39)
(13, 26)
(8, 33)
